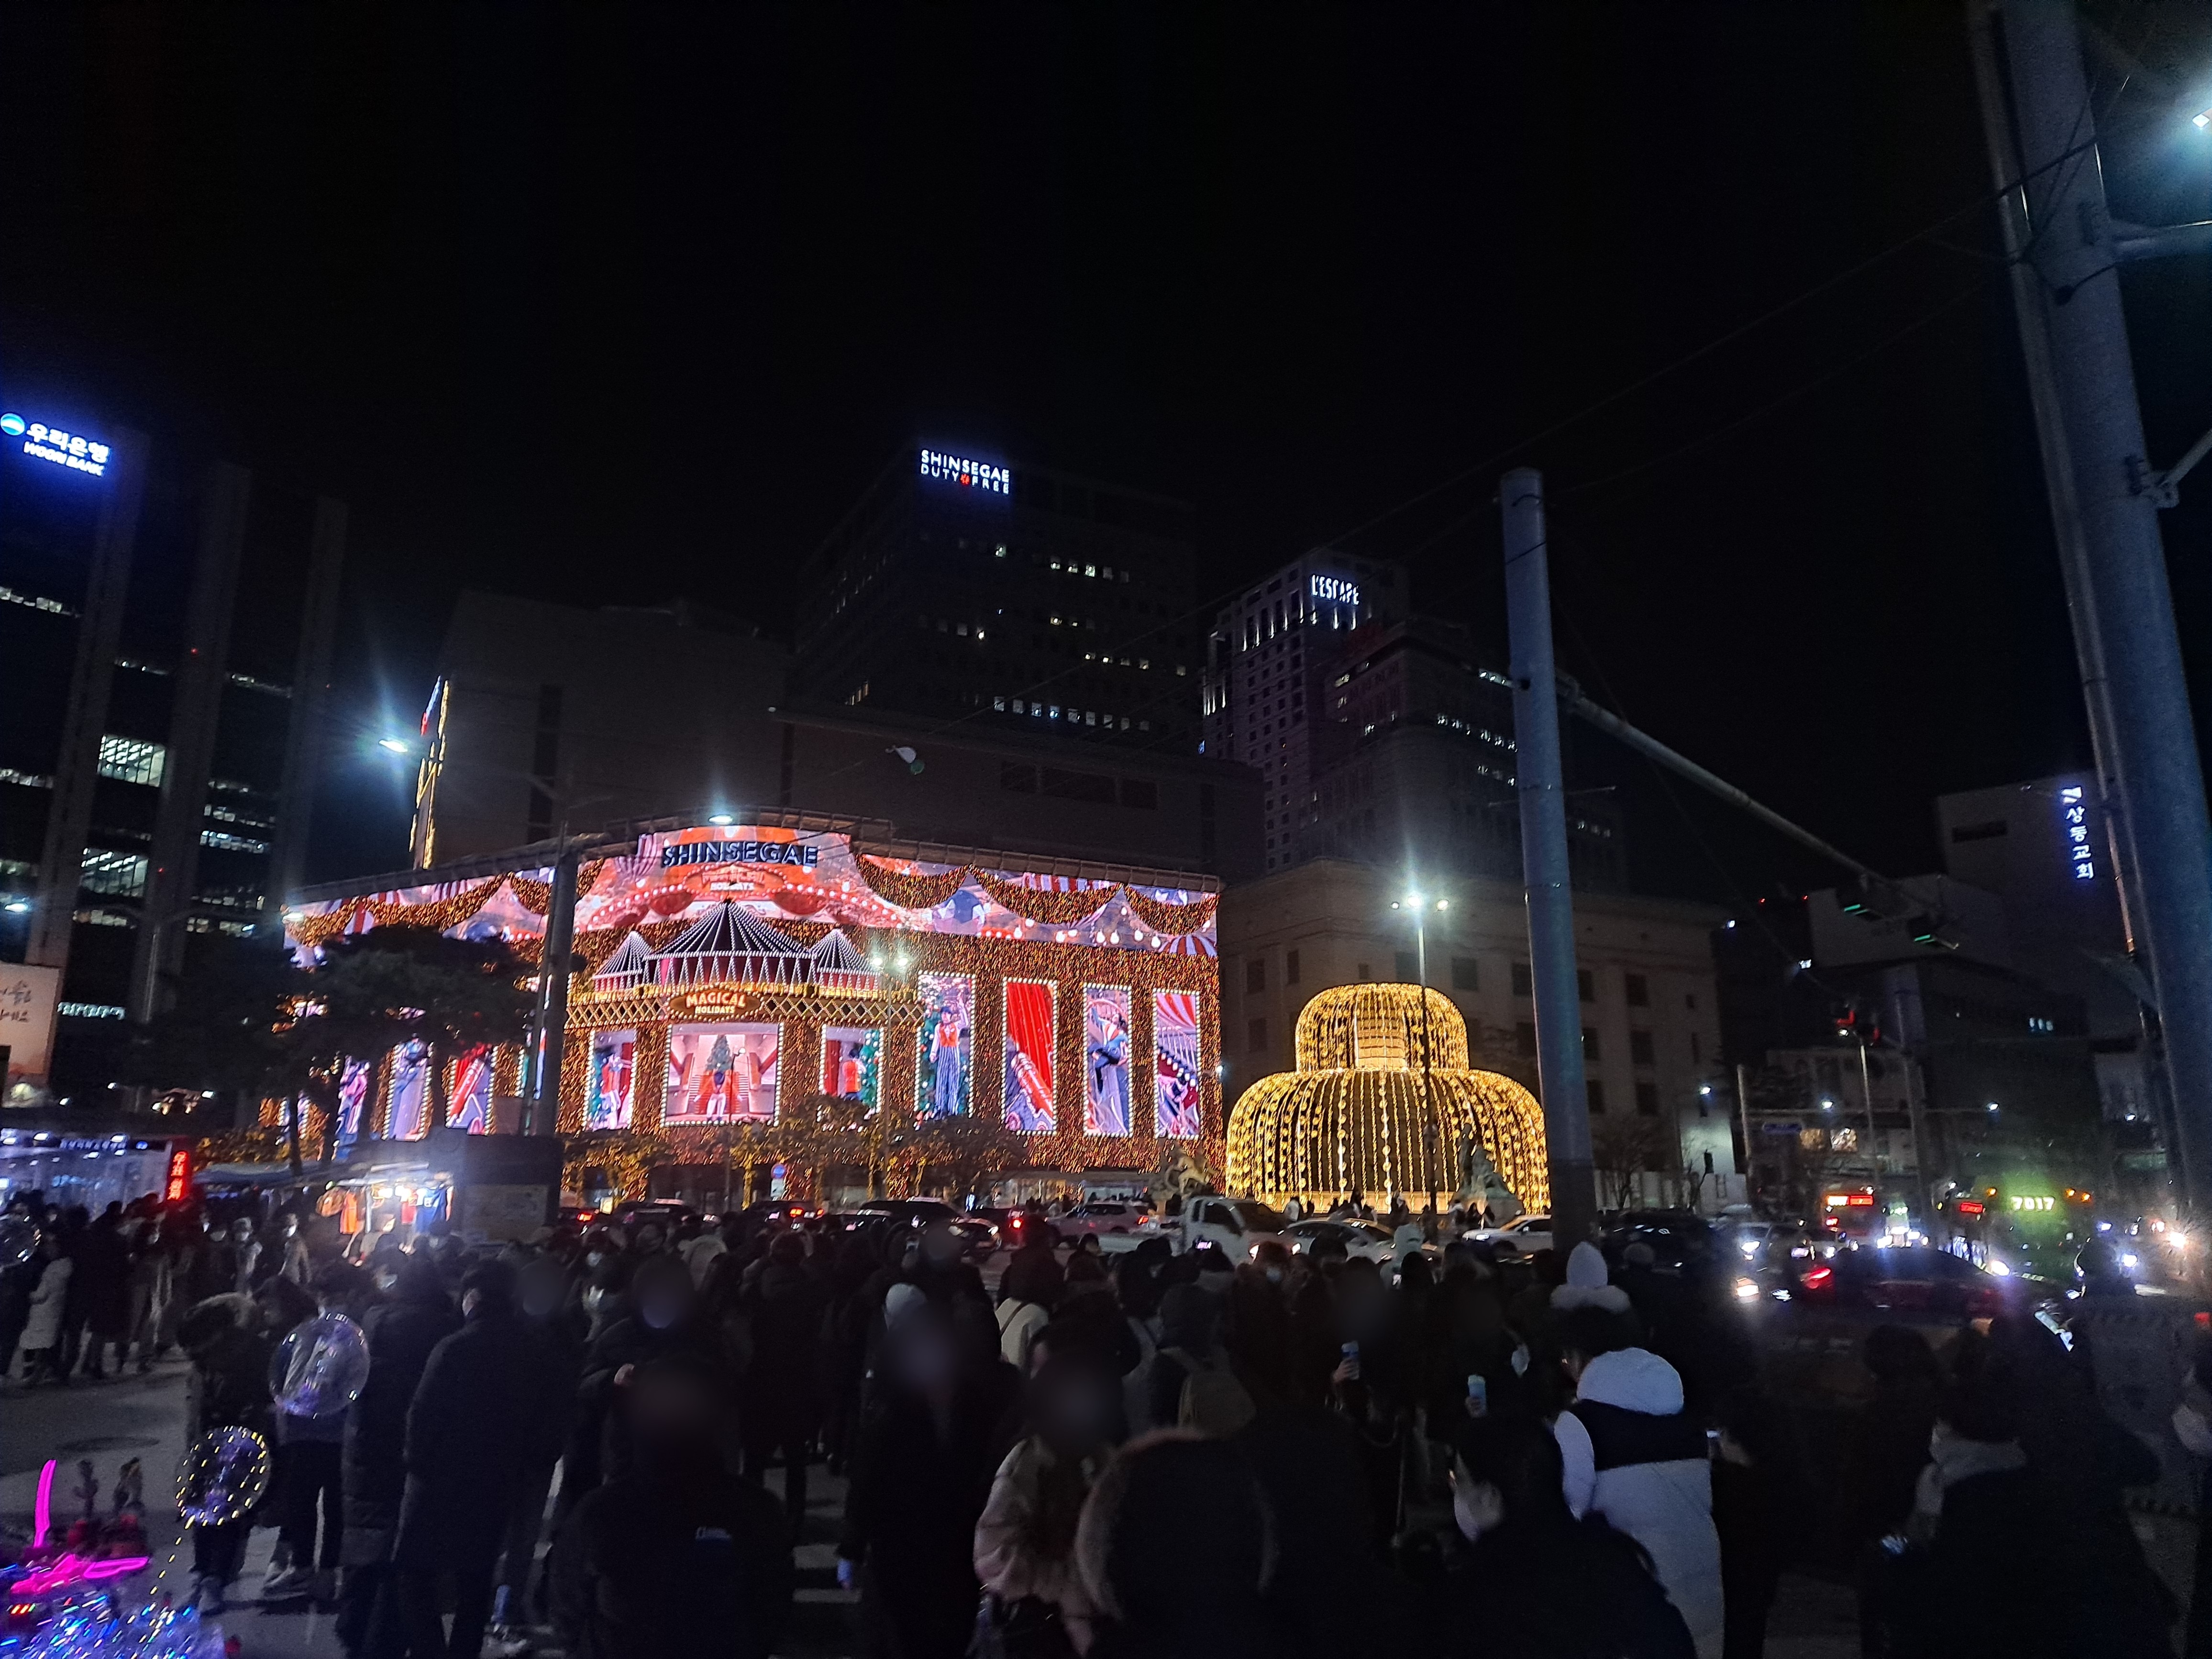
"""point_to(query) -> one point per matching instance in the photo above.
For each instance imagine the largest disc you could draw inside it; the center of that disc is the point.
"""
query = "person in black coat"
(556, 1337)
(783, 1379)
(229, 1389)
(927, 1447)
(1575, 1590)
(100, 1291)
(673, 1556)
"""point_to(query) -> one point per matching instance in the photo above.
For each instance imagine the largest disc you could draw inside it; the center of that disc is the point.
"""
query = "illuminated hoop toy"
(223, 1477)
(1356, 1115)
(319, 1368)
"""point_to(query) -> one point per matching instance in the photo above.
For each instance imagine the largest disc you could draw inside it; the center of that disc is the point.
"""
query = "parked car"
(1105, 1218)
(1361, 1239)
(1674, 1236)
(909, 1211)
(1524, 1235)
(1763, 1242)
(1232, 1226)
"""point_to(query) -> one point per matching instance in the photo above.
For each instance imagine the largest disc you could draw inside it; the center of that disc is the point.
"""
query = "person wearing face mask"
(1026, 1537)
(412, 1317)
(784, 1377)
(673, 1556)
(921, 1469)
(1584, 1589)
(468, 1440)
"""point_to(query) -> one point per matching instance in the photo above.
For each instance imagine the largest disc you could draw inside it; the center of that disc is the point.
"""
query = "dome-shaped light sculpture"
(1362, 1115)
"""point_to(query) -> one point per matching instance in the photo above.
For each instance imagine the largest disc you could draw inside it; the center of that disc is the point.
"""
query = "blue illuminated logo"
(49, 443)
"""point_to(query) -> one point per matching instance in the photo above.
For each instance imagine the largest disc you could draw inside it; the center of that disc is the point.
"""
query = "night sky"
(620, 303)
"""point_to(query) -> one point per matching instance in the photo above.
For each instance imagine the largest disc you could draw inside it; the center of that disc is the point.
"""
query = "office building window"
(1596, 1093)
(119, 875)
(1647, 1099)
(1590, 1049)
(1365, 972)
(1255, 1034)
(1464, 977)
(1695, 1057)
(1409, 967)
(1524, 1040)
(1522, 985)
(133, 760)
(1290, 967)
(1640, 1048)
(1255, 975)
(1586, 984)
(1640, 991)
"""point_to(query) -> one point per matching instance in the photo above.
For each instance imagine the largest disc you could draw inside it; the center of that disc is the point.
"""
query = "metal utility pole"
(544, 1111)
(1743, 1116)
(1544, 858)
(2065, 257)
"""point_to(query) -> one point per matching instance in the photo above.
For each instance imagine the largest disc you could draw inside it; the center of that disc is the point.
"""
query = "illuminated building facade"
(790, 993)
(165, 635)
(1011, 597)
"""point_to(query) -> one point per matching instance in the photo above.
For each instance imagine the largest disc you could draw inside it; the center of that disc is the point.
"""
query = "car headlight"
(1746, 1289)
(1997, 1267)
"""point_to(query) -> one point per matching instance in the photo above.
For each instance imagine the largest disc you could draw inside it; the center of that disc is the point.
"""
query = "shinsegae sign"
(967, 473)
(805, 856)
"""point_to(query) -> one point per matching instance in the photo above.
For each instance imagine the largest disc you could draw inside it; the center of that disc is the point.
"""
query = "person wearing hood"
(1197, 1587)
(1588, 1284)
(414, 1317)
(42, 1311)
(784, 1377)
(673, 1555)
(1631, 1454)
(468, 1441)
(229, 1389)
(1586, 1590)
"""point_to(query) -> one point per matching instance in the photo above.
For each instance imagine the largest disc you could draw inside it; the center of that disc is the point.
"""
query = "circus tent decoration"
(839, 966)
(728, 944)
(628, 967)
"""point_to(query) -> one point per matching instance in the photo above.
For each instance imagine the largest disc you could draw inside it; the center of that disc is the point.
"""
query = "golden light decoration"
(1360, 1115)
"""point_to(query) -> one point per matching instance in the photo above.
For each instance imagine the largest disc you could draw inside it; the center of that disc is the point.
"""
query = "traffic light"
(1857, 1021)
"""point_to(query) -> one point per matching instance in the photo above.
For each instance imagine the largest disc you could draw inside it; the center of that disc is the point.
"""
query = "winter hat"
(1633, 1379)
(1587, 1286)
(900, 1301)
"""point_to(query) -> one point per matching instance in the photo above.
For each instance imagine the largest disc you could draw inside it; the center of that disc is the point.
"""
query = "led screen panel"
(1106, 1060)
(1029, 1026)
(353, 1096)
(411, 1091)
(721, 1074)
(610, 1100)
(852, 1060)
(1175, 1064)
(469, 1106)
(947, 1049)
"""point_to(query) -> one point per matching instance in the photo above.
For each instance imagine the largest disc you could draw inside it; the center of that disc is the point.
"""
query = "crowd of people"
(1150, 1452)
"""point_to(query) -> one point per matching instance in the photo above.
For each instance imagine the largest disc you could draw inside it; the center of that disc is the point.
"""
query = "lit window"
(119, 875)
(133, 760)
(223, 841)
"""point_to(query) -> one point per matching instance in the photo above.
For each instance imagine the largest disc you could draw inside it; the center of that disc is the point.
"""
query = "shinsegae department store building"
(787, 992)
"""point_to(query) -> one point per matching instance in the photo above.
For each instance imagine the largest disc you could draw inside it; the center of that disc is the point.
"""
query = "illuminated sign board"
(964, 472)
(804, 854)
(49, 443)
(178, 1186)
(1335, 590)
(2074, 813)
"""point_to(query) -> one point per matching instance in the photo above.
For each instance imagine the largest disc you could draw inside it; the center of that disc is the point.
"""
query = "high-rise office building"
(1007, 597)
(164, 637)
(1261, 699)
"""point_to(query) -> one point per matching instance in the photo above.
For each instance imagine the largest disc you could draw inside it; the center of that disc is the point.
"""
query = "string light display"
(1361, 1115)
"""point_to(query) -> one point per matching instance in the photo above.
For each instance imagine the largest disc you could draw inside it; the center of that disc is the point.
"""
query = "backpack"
(1212, 1400)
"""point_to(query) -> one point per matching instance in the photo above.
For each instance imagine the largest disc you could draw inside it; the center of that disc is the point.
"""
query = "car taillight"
(1817, 1279)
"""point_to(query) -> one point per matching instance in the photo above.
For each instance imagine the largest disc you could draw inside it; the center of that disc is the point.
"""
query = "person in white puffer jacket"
(1633, 1456)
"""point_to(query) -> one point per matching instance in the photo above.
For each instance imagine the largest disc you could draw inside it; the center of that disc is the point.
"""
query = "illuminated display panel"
(1029, 1030)
(353, 1096)
(411, 1091)
(721, 1074)
(1176, 1070)
(945, 1056)
(1106, 1060)
(852, 1064)
(469, 1106)
(610, 1087)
